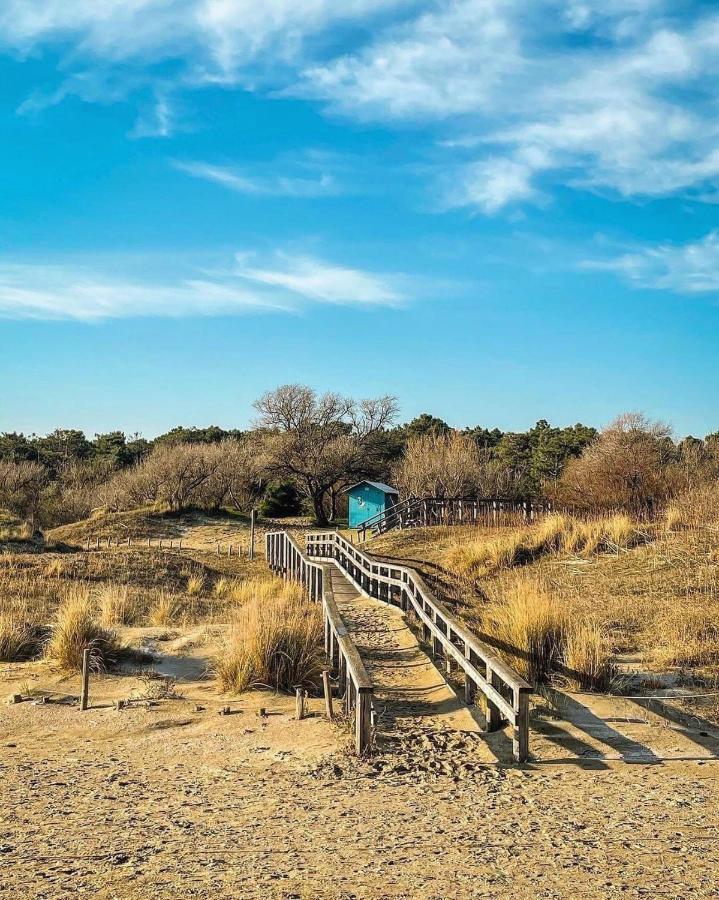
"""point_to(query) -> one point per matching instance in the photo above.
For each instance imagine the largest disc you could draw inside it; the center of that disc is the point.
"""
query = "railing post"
(520, 734)
(493, 716)
(363, 720)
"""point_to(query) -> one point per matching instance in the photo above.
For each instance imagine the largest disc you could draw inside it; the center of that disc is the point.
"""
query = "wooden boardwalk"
(410, 691)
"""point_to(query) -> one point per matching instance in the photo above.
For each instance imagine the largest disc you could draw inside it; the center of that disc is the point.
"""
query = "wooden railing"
(285, 558)
(426, 511)
(506, 693)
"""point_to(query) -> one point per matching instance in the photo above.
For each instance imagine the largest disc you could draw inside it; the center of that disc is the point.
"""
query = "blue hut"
(368, 499)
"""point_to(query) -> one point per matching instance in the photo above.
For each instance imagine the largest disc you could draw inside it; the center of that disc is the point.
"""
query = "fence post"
(363, 719)
(328, 692)
(300, 697)
(520, 735)
(85, 690)
(493, 716)
(253, 516)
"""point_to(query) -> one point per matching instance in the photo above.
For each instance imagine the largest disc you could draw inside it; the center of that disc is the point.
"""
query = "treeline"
(307, 448)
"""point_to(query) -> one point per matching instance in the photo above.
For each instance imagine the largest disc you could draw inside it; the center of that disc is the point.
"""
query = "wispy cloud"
(93, 293)
(691, 268)
(270, 185)
(514, 97)
(323, 282)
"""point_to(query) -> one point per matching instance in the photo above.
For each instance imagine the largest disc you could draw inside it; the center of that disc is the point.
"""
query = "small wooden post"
(328, 692)
(520, 735)
(229, 549)
(87, 546)
(363, 720)
(300, 697)
(218, 548)
(253, 517)
(84, 694)
(180, 544)
(149, 542)
(493, 716)
(97, 543)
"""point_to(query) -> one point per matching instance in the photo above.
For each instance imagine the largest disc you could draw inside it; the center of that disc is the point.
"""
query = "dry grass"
(528, 626)
(76, 627)
(116, 604)
(196, 584)
(20, 531)
(687, 636)
(588, 657)
(275, 640)
(553, 534)
(165, 611)
(19, 635)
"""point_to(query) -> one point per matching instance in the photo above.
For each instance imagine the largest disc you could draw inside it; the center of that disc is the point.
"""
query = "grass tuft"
(275, 640)
(76, 628)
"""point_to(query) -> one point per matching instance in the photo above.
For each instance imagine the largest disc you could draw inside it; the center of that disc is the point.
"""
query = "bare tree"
(321, 442)
(447, 465)
(21, 486)
(630, 465)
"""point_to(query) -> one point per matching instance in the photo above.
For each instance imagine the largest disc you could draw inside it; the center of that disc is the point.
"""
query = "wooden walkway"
(410, 692)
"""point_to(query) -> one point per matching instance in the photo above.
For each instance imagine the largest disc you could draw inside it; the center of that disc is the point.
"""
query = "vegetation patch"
(275, 640)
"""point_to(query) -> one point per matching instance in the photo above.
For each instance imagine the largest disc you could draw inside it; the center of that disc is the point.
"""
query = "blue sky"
(497, 210)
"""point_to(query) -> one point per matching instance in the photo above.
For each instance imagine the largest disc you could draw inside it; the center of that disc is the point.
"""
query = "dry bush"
(631, 465)
(275, 641)
(117, 605)
(76, 627)
(528, 626)
(19, 635)
(588, 657)
(445, 465)
(22, 531)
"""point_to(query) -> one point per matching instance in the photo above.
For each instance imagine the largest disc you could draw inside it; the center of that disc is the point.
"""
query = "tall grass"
(117, 606)
(76, 627)
(275, 640)
(528, 626)
(553, 534)
(587, 657)
(686, 635)
(19, 635)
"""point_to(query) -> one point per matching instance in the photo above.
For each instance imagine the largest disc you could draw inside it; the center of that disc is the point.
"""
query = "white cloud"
(691, 268)
(271, 185)
(515, 96)
(324, 282)
(91, 293)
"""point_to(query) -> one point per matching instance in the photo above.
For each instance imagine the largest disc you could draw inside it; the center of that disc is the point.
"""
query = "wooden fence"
(506, 693)
(285, 558)
(426, 511)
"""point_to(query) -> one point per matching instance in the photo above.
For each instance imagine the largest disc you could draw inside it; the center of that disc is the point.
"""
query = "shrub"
(275, 640)
(75, 629)
(528, 626)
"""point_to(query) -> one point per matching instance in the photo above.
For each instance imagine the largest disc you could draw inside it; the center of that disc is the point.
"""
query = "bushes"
(275, 640)
(75, 629)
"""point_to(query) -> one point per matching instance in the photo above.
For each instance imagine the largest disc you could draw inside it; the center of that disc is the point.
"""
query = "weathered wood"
(327, 687)
(300, 698)
(253, 516)
(490, 674)
(85, 687)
